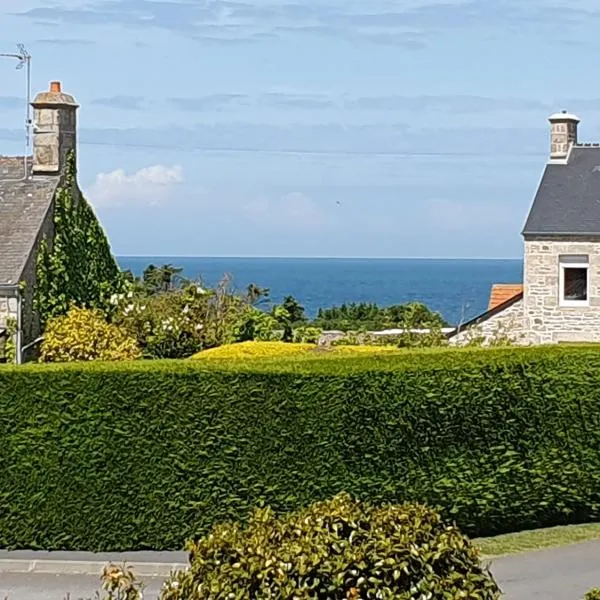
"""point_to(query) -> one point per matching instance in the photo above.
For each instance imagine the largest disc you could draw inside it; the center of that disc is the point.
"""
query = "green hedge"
(145, 455)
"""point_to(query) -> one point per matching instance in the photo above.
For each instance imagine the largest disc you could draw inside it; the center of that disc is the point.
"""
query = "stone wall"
(505, 326)
(545, 321)
(8, 305)
(8, 310)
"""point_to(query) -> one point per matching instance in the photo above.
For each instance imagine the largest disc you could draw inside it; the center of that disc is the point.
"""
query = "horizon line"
(263, 257)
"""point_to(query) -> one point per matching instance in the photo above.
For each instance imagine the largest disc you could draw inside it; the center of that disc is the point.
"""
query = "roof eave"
(556, 233)
(487, 314)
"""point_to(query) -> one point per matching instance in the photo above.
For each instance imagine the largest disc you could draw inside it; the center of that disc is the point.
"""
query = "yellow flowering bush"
(251, 350)
(85, 334)
(255, 350)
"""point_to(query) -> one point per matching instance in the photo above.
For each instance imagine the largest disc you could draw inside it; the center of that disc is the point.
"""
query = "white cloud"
(148, 186)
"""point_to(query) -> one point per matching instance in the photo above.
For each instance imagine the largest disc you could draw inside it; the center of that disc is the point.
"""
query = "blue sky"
(309, 128)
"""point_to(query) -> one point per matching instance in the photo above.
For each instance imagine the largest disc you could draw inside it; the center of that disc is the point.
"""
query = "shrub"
(281, 350)
(256, 325)
(245, 350)
(181, 322)
(146, 454)
(593, 594)
(84, 334)
(337, 549)
(307, 335)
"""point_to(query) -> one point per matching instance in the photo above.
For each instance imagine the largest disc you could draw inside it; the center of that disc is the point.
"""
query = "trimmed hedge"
(115, 456)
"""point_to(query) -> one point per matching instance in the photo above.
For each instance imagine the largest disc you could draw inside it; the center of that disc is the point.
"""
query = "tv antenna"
(24, 59)
(24, 62)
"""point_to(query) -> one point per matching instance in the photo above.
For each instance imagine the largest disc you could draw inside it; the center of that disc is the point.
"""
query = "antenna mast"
(24, 59)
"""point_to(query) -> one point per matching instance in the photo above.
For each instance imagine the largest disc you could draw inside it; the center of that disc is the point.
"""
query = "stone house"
(28, 187)
(559, 299)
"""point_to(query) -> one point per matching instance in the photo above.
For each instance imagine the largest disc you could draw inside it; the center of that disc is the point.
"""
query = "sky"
(372, 128)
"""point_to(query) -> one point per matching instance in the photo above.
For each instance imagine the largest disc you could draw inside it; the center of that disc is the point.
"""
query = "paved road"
(558, 574)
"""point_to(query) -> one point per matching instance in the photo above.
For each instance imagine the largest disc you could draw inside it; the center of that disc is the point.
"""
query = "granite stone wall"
(545, 320)
(505, 326)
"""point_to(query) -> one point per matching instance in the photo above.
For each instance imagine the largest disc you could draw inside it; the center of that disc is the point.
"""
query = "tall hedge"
(146, 455)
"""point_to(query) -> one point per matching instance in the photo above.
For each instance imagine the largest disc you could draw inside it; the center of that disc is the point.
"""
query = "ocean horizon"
(457, 288)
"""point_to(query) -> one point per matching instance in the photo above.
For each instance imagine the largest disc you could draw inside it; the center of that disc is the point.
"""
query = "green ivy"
(78, 267)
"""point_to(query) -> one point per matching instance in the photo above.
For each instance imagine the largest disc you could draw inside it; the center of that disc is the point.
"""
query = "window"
(574, 280)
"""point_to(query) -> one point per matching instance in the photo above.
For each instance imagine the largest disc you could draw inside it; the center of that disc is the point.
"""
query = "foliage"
(161, 279)
(84, 334)
(78, 266)
(146, 454)
(254, 349)
(337, 550)
(256, 325)
(366, 316)
(307, 334)
(294, 310)
(181, 322)
(270, 350)
(593, 594)
(120, 583)
(8, 349)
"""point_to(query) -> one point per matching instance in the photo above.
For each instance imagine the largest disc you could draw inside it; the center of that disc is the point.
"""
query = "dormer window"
(574, 280)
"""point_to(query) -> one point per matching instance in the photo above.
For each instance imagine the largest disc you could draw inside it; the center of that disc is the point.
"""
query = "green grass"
(537, 539)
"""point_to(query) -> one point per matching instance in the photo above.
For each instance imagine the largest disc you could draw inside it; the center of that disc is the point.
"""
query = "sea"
(458, 289)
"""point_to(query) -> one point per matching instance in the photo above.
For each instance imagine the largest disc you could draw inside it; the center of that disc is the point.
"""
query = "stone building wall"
(9, 304)
(505, 326)
(545, 321)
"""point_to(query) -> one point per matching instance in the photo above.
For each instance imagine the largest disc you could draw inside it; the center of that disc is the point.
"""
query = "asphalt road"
(558, 574)
(565, 573)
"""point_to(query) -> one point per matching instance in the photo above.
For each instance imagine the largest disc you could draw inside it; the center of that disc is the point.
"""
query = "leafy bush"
(357, 316)
(84, 334)
(279, 350)
(338, 549)
(146, 454)
(180, 322)
(258, 350)
(307, 334)
(593, 594)
(256, 325)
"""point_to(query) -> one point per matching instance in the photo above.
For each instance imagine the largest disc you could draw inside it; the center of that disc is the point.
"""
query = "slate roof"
(23, 206)
(568, 198)
(502, 292)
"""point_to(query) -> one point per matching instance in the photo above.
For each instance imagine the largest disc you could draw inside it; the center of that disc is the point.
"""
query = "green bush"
(593, 594)
(338, 549)
(116, 456)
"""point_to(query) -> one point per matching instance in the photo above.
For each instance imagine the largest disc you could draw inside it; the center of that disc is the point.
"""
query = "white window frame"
(578, 261)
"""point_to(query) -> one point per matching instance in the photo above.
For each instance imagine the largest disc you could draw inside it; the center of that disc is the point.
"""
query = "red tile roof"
(503, 292)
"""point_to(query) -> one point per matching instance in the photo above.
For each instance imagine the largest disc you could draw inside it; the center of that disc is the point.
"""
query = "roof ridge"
(587, 145)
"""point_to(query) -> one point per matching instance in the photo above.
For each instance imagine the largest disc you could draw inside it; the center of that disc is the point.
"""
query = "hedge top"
(332, 363)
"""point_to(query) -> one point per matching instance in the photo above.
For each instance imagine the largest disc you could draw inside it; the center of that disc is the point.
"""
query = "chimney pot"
(55, 87)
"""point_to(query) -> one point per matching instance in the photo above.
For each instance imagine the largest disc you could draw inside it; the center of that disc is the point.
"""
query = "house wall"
(503, 326)
(545, 321)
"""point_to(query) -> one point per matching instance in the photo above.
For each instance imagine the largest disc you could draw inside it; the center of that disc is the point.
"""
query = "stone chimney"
(54, 130)
(563, 134)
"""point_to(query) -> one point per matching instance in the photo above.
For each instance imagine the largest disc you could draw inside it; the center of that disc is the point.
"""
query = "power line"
(304, 152)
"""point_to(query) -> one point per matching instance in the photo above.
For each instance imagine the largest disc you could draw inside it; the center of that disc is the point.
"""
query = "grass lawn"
(537, 539)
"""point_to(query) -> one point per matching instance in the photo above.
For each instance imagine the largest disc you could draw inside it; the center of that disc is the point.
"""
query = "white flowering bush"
(179, 323)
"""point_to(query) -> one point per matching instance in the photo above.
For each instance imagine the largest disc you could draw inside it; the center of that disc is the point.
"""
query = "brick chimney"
(563, 134)
(54, 130)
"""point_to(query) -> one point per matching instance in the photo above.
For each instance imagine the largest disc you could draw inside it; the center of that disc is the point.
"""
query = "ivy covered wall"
(76, 265)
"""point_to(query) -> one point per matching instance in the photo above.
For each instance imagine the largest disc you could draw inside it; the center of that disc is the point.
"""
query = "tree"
(161, 279)
(294, 309)
(256, 295)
